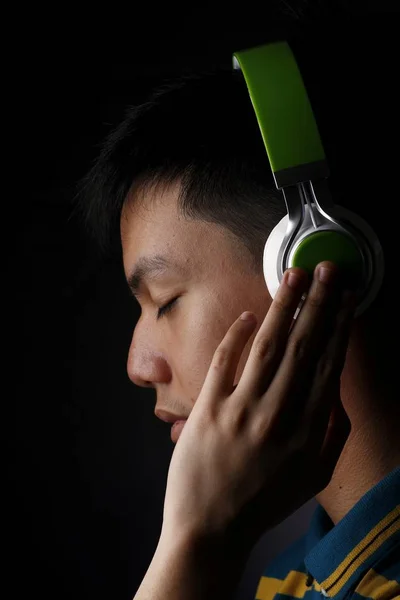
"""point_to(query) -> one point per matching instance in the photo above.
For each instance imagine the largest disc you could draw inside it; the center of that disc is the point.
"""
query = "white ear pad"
(276, 237)
(271, 250)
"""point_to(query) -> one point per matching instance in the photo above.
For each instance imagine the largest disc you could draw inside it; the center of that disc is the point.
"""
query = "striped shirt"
(357, 558)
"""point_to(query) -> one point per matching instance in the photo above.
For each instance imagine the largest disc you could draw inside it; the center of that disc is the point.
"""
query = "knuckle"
(264, 348)
(328, 369)
(260, 430)
(237, 421)
(316, 298)
(297, 347)
(282, 303)
(221, 357)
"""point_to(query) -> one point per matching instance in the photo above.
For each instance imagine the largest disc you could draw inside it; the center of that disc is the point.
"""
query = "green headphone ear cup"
(333, 246)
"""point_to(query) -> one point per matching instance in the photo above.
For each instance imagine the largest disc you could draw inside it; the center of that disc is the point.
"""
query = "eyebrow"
(148, 267)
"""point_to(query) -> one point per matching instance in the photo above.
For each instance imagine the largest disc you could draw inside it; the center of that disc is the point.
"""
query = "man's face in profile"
(209, 271)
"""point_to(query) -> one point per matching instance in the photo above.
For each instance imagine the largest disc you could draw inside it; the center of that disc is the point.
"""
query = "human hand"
(250, 455)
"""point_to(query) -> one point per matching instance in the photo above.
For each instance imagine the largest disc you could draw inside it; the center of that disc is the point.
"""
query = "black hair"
(201, 131)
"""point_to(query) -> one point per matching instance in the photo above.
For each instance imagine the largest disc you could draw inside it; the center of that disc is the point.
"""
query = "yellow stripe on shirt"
(362, 551)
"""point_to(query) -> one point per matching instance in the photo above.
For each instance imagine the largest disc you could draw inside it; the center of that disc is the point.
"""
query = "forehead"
(151, 224)
(150, 217)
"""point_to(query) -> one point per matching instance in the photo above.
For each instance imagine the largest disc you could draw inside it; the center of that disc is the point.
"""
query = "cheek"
(204, 328)
(202, 325)
(197, 344)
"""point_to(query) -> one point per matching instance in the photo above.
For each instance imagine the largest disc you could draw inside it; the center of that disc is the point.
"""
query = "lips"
(178, 422)
(168, 417)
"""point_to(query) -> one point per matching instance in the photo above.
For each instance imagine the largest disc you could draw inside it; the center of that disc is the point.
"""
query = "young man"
(258, 406)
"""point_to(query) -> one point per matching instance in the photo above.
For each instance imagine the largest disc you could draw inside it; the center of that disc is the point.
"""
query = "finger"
(327, 375)
(269, 343)
(307, 336)
(221, 373)
(318, 312)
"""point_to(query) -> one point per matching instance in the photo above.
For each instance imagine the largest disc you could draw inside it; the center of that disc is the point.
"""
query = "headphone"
(315, 228)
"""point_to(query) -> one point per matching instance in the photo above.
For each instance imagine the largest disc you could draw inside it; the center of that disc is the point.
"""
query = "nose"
(147, 365)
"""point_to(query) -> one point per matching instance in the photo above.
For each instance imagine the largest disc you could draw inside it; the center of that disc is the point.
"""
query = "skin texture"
(173, 354)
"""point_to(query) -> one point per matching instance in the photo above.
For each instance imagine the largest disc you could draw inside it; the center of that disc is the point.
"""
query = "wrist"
(233, 543)
(214, 554)
(184, 567)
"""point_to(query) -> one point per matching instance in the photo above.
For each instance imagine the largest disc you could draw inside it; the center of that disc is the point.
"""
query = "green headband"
(284, 113)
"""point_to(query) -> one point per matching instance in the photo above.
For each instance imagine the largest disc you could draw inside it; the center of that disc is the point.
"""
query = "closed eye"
(163, 310)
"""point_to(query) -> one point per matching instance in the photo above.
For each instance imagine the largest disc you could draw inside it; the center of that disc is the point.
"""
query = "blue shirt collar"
(337, 555)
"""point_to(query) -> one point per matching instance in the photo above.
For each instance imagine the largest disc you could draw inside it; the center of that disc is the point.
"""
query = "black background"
(85, 460)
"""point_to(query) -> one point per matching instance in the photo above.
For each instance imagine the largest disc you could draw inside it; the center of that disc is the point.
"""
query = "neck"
(372, 450)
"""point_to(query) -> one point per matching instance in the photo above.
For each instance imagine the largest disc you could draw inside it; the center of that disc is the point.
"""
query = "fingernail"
(248, 316)
(325, 274)
(293, 279)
